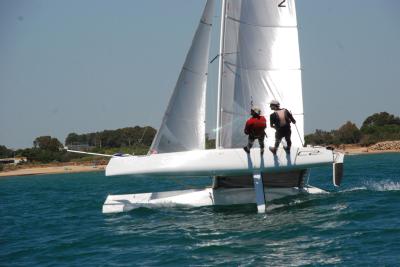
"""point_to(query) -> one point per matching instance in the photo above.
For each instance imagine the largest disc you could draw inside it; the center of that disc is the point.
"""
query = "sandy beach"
(52, 170)
(363, 150)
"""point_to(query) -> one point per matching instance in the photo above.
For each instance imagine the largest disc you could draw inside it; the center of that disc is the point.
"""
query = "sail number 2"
(282, 4)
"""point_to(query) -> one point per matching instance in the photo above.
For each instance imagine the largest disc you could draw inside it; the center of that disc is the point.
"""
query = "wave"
(354, 189)
(371, 185)
(386, 185)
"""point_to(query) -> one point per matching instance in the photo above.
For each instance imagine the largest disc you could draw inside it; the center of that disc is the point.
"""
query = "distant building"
(13, 161)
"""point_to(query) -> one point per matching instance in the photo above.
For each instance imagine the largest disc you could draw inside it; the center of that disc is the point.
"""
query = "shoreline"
(378, 148)
(42, 170)
(355, 152)
(364, 151)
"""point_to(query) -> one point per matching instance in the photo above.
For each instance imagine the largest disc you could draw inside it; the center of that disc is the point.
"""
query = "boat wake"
(385, 185)
(358, 188)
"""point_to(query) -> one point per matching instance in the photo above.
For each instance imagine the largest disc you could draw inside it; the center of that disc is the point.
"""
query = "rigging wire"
(140, 140)
(298, 133)
(212, 60)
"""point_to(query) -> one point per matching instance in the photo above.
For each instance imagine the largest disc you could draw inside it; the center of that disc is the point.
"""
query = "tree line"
(375, 128)
(132, 140)
(125, 137)
(47, 149)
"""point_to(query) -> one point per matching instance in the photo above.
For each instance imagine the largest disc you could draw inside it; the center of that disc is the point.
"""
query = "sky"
(86, 66)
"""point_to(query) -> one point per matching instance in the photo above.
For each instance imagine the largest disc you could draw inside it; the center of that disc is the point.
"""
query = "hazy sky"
(83, 66)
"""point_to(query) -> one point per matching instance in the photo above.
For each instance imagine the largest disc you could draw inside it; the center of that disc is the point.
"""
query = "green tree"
(348, 133)
(72, 138)
(380, 127)
(125, 137)
(210, 143)
(5, 152)
(47, 143)
(376, 128)
(320, 137)
(380, 119)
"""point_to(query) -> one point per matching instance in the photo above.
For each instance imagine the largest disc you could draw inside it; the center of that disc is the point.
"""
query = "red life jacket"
(255, 126)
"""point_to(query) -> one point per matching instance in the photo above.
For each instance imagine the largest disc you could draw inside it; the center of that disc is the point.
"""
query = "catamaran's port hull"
(199, 198)
(214, 162)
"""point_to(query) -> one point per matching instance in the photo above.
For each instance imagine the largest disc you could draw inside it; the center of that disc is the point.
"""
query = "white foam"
(386, 185)
(354, 189)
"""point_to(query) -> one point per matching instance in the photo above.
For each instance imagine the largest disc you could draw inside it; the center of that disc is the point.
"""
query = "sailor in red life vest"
(254, 128)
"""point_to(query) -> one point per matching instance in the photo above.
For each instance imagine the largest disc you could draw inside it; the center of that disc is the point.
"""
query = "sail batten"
(244, 68)
(261, 26)
(194, 72)
(183, 124)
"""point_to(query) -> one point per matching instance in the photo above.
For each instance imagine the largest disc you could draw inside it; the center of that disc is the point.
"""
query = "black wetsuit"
(282, 130)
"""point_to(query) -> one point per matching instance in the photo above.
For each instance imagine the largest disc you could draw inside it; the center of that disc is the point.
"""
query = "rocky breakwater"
(386, 146)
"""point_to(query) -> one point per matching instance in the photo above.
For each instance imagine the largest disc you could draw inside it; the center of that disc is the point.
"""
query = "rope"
(298, 133)
(141, 138)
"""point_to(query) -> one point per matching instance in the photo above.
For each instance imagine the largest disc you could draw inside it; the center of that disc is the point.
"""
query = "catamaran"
(259, 61)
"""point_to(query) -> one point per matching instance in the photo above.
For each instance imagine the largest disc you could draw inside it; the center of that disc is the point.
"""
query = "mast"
(220, 71)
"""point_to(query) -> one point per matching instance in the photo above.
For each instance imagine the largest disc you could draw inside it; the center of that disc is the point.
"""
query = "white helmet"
(256, 110)
(274, 103)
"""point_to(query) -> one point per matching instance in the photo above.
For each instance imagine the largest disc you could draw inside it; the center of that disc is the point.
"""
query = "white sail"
(260, 62)
(183, 125)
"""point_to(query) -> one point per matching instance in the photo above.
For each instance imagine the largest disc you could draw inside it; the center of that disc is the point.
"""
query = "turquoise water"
(56, 220)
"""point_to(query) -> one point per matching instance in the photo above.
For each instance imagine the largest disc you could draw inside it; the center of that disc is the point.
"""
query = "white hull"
(214, 162)
(198, 198)
(274, 176)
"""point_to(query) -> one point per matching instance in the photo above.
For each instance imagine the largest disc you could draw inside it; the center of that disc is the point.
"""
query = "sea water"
(56, 220)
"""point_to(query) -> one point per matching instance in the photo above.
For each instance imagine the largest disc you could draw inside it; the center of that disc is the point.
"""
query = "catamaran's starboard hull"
(198, 198)
(214, 162)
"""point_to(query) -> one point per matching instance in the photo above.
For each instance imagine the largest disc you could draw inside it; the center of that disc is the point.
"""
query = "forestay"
(183, 125)
(260, 62)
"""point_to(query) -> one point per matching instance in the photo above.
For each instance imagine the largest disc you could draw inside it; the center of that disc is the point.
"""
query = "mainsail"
(183, 125)
(260, 62)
